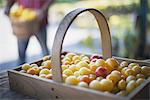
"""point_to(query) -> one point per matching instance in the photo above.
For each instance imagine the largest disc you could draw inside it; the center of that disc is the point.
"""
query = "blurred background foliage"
(122, 19)
(2, 3)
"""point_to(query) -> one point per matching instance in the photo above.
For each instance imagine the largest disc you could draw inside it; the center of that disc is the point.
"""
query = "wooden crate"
(55, 89)
(23, 29)
(47, 89)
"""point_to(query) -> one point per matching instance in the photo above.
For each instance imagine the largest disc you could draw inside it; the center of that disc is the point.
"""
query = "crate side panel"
(143, 94)
(49, 90)
(29, 86)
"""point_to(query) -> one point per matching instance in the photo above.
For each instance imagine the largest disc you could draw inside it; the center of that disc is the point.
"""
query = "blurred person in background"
(41, 6)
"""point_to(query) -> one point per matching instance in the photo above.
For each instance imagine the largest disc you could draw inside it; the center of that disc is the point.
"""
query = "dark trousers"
(23, 43)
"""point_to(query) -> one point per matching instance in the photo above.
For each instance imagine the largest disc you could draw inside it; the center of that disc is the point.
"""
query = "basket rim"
(129, 96)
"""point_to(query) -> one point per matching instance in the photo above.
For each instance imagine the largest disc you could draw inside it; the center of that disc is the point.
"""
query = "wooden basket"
(55, 89)
(23, 29)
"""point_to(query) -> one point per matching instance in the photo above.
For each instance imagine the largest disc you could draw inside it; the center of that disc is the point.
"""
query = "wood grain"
(45, 89)
(61, 32)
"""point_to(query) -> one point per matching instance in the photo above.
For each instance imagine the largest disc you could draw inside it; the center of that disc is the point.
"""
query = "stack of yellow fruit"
(94, 72)
(23, 14)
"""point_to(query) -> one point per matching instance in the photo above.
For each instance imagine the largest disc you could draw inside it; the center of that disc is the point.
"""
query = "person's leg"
(22, 46)
(42, 38)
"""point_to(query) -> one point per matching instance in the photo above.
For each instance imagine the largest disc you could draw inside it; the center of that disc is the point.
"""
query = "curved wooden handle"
(61, 32)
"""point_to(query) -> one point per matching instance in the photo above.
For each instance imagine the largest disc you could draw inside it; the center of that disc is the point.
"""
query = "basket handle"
(61, 32)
